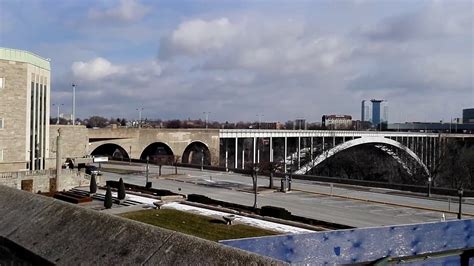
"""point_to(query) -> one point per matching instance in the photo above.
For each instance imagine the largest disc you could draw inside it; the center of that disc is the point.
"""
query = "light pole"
(147, 170)
(73, 103)
(460, 193)
(140, 116)
(429, 186)
(207, 117)
(57, 119)
(259, 119)
(202, 160)
(255, 184)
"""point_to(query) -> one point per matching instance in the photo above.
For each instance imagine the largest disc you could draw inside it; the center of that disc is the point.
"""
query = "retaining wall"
(66, 234)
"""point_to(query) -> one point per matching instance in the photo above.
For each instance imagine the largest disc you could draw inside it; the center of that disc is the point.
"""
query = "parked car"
(92, 170)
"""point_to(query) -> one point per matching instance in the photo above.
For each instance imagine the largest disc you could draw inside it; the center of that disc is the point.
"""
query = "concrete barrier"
(66, 234)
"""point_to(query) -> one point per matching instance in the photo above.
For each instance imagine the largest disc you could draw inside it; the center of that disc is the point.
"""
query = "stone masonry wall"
(13, 110)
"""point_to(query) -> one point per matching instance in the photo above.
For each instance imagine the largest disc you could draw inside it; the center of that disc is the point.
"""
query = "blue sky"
(237, 59)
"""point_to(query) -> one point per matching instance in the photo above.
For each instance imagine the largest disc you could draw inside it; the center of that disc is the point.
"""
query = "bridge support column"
(324, 144)
(236, 152)
(299, 152)
(311, 151)
(271, 149)
(254, 149)
(286, 152)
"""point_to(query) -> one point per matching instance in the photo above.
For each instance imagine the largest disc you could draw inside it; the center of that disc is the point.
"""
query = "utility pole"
(57, 119)
(73, 104)
(202, 160)
(460, 194)
(207, 117)
(140, 116)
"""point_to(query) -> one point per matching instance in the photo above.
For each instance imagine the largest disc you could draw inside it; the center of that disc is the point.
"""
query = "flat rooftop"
(24, 56)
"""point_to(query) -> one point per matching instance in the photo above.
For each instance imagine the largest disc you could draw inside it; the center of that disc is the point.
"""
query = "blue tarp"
(365, 244)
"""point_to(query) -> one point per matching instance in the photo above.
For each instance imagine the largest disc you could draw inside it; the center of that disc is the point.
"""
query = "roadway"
(353, 206)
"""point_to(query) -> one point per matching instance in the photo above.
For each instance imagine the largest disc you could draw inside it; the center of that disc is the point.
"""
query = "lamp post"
(73, 103)
(259, 119)
(140, 116)
(57, 118)
(460, 194)
(429, 186)
(207, 117)
(202, 160)
(147, 170)
(255, 170)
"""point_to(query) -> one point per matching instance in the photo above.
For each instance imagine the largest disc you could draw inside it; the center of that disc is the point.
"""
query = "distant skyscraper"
(362, 111)
(376, 111)
(365, 111)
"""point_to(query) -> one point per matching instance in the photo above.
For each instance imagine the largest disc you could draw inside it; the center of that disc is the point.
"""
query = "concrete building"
(337, 122)
(24, 110)
(365, 112)
(468, 116)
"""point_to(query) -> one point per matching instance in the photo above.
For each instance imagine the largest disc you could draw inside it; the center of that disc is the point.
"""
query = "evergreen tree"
(108, 198)
(93, 185)
(121, 190)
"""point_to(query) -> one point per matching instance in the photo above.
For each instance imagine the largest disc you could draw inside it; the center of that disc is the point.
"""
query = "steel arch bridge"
(362, 141)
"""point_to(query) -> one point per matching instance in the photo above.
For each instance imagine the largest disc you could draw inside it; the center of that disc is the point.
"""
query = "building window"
(2, 83)
(1, 155)
(1, 123)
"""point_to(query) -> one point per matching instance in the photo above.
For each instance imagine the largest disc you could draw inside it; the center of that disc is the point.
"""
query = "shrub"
(276, 212)
(93, 185)
(108, 198)
(121, 190)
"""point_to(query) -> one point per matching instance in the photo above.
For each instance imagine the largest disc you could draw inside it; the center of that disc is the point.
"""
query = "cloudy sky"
(239, 59)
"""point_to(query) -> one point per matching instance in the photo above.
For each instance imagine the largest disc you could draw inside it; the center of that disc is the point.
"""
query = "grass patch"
(196, 225)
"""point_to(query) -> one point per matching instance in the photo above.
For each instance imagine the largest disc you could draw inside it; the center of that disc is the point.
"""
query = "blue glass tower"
(376, 111)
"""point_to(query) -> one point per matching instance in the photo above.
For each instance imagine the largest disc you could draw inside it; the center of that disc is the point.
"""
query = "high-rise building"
(362, 111)
(468, 116)
(376, 115)
(24, 110)
(365, 112)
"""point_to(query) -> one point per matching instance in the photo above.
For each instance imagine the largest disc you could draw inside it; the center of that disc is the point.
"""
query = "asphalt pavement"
(342, 205)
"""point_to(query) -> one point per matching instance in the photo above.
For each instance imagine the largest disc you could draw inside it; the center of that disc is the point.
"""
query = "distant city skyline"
(279, 59)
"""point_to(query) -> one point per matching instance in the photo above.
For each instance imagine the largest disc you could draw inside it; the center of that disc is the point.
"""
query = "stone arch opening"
(195, 152)
(362, 141)
(156, 149)
(111, 150)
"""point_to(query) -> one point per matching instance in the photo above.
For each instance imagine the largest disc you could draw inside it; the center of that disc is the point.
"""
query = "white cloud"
(199, 36)
(95, 69)
(126, 11)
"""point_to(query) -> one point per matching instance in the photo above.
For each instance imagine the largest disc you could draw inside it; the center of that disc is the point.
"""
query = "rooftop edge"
(24, 56)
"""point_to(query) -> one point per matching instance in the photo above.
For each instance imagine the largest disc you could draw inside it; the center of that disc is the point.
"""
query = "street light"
(429, 186)
(57, 119)
(207, 117)
(460, 194)
(139, 116)
(202, 160)
(73, 103)
(147, 185)
(255, 170)
(259, 119)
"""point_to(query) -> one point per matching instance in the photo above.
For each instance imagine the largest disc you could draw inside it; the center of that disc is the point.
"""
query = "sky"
(271, 60)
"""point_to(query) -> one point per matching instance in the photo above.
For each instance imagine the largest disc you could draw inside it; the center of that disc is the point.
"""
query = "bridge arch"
(361, 141)
(195, 151)
(156, 148)
(111, 150)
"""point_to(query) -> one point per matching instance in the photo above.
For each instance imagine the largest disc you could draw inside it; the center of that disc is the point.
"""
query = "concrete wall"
(75, 142)
(137, 140)
(42, 179)
(66, 234)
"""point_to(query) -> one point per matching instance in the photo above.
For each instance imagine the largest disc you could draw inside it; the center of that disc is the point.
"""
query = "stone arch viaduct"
(234, 148)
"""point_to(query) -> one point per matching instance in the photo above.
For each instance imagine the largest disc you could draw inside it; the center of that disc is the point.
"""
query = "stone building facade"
(24, 110)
